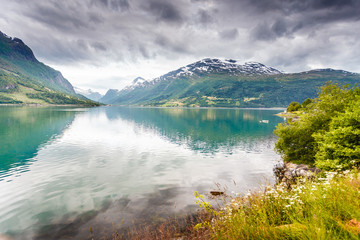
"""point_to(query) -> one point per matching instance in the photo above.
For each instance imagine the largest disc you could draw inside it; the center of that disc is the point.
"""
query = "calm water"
(63, 170)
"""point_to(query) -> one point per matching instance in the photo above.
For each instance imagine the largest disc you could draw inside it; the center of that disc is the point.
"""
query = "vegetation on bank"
(325, 208)
(325, 134)
(327, 131)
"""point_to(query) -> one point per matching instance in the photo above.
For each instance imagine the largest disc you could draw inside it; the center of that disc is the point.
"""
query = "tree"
(293, 106)
(306, 102)
(339, 148)
(296, 139)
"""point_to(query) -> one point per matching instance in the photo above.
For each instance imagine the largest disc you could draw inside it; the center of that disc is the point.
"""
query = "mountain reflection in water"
(108, 167)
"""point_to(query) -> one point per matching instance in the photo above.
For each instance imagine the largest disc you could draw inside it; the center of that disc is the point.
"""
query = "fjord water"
(64, 170)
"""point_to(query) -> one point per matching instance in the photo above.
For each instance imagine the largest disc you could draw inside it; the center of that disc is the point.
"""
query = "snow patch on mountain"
(209, 65)
(137, 82)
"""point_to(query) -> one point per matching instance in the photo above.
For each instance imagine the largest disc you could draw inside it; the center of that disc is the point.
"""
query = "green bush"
(299, 141)
(293, 106)
(306, 102)
(339, 148)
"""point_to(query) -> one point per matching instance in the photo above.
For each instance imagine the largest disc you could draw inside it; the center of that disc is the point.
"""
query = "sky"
(102, 44)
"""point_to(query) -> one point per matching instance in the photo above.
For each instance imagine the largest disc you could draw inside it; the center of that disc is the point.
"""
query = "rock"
(289, 173)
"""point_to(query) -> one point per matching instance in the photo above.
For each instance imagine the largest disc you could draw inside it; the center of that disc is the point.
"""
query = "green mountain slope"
(23, 79)
(216, 83)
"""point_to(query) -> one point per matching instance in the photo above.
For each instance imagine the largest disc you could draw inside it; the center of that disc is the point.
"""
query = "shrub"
(293, 106)
(340, 146)
(306, 102)
(296, 139)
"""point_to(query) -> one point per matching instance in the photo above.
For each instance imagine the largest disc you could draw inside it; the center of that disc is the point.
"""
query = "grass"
(181, 227)
(327, 208)
(20, 95)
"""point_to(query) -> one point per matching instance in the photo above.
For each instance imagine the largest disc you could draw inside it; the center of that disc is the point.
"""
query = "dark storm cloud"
(99, 46)
(95, 18)
(144, 52)
(164, 10)
(204, 17)
(168, 43)
(277, 28)
(263, 32)
(57, 15)
(281, 18)
(59, 51)
(229, 34)
(295, 6)
(117, 5)
(102, 31)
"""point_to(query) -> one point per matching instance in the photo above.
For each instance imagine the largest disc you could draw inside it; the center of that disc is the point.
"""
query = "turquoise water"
(63, 170)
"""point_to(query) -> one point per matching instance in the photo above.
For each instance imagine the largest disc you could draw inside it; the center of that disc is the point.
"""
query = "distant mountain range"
(23, 79)
(226, 83)
(90, 94)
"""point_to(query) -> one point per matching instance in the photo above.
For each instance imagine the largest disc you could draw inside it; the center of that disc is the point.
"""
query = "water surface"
(63, 170)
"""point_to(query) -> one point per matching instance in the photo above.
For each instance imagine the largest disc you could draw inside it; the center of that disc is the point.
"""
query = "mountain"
(90, 94)
(112, 94)
(109, 96)
(137, 82)
(23, 79)
(226, 83)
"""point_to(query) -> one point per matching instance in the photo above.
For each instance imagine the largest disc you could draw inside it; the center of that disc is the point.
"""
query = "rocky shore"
(288, 173)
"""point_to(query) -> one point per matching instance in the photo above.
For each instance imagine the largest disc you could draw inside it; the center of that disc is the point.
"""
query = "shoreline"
(318, 192)
(133, 106)
(45, 105)
(253, 108)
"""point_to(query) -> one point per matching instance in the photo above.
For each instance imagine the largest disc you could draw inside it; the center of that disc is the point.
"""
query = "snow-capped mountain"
(137, 82)
(208, 66)
(228, 66)
(90, 94)
(227, 83)
(214, 65)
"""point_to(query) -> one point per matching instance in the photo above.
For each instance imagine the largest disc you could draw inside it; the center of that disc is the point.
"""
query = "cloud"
(168, 43)
(115, 5)
(99, 46)
(229, 34)
(204, 17)
(164, 11)
(57, 15)
(289, 35)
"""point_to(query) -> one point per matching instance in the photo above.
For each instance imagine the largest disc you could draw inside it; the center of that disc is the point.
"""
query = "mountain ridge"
(225, 83)
(24, 79)
(13, 51)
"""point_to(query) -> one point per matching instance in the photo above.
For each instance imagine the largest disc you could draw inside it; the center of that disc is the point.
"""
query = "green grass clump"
(327, 208)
